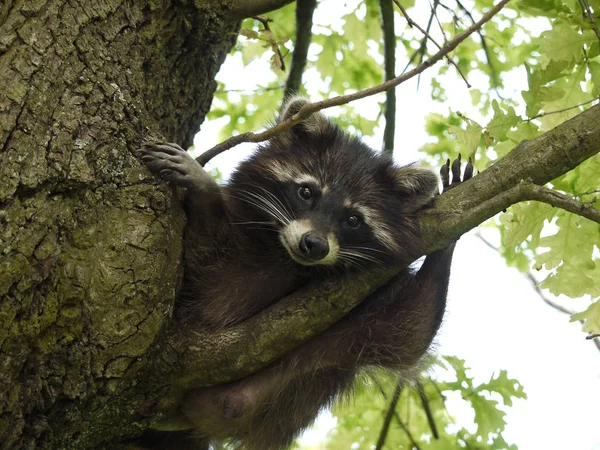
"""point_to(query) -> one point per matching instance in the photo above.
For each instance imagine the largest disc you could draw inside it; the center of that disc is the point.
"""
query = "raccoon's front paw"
(445, 173)
(174, 164)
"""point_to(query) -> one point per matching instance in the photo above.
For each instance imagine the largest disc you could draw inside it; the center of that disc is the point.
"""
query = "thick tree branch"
(389, 53)
(304, 16)
(343, 99)
(530, 191)
(237, 352)
(242, 9)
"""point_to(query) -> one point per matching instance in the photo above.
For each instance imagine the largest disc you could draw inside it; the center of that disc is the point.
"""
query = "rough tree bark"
(90, 245)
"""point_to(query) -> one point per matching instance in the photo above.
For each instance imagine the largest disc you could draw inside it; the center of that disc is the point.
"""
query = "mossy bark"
(90, 246)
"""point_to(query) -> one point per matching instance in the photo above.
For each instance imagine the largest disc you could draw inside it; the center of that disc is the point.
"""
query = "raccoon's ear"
(315, 124)
(417, 183)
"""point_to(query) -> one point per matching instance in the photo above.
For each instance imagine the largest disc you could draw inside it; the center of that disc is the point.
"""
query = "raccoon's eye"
(305, 192)
(353, 221)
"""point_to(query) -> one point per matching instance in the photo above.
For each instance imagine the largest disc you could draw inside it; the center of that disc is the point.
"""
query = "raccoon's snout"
(313, 246)
(306, 246)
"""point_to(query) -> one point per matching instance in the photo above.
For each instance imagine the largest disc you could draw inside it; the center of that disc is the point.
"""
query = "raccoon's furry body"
(308, 204)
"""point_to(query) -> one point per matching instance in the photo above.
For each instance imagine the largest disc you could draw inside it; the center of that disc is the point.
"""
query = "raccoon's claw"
(172, 163)
(445, 173)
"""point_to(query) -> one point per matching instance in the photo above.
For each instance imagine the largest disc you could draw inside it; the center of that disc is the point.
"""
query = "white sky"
(495, 320)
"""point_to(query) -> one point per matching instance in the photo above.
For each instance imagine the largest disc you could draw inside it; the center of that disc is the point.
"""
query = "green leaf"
(594, 69)
(469, 138)
(564, 43)
(506, 387)
(502, 122)
(591, 318)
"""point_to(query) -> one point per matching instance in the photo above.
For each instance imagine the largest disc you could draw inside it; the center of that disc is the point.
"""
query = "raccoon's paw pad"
(455, 168)
(172, 163)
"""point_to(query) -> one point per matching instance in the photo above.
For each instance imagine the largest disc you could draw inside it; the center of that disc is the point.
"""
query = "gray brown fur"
(234, 269)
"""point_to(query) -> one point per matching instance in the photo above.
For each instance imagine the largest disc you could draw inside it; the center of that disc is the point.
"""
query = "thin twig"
(484, 46)
(274, 46)
(389, 414)
(389, 51)
(428, 36)
(437, 19)
(423, 47)
(256, 91)
(585, 7)
(536, 286)
(311, 108)
(562, 110)
(427, 409)
(413, 442)
(304, 20)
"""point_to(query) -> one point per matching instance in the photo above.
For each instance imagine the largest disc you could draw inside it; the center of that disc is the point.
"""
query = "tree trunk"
(90, 246)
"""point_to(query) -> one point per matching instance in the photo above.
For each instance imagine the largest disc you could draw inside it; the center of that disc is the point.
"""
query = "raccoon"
(309, 204)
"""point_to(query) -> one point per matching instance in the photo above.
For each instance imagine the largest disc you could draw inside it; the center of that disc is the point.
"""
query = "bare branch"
(484, 46)
(437, 19)
(562, 110)
(343, 99)
(274, 46)
(259, 90)
(304, 15)
(242, 9)
(536, 286)
(585, 7)
(389, 414)
(412, 23)
(427, 409)
(389, 52)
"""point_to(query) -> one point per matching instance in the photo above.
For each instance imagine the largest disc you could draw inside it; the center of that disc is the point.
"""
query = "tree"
(91, 244)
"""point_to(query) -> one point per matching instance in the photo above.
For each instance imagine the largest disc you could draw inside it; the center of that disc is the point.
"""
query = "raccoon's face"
(330, 198)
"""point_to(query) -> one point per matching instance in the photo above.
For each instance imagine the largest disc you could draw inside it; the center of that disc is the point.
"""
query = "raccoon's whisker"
(259, 204)
(255, 222)
(261, 228)
(268, 204)
(288, 214)
(350, 259)
(368, 249)
(360, 256)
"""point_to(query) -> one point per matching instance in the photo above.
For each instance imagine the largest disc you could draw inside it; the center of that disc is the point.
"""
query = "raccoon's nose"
(313, 246)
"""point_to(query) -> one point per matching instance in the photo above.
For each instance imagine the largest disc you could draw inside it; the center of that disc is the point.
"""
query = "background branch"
(427, 409)
(389, 53)
(389, 414)
(343, 99)
(304, 16)
(412, 23)
(536, 286)
(484, 46)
